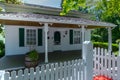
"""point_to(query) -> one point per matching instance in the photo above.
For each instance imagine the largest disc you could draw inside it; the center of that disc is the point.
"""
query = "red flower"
(100, 77)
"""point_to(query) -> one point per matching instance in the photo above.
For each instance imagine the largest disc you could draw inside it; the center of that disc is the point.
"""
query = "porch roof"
(38, 19)
(32, 15)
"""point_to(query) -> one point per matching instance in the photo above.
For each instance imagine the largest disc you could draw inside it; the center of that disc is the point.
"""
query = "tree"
(105, 10)
(68, 5)
(11, 1)
(107, 7)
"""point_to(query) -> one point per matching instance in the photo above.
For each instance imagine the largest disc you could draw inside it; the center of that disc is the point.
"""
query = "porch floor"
(17, 61)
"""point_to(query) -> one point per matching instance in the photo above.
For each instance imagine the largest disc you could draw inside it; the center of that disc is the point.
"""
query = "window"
(31, 37)
(76, 37)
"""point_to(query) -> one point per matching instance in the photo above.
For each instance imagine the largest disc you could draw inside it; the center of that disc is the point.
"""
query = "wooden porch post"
(109, 40)
(83, 37)
(46, 42)
(83, 33)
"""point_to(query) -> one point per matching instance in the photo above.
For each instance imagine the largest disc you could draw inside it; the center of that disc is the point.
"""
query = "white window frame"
(77, 36)
(26, 36)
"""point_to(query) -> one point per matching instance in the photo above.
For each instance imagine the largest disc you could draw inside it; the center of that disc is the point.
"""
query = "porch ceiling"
(38, 24)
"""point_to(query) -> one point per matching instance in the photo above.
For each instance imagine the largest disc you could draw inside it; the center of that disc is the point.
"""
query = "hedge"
(104, 45)
(2, 48)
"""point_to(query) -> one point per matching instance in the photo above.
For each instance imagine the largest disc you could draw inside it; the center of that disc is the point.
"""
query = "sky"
(51, 3)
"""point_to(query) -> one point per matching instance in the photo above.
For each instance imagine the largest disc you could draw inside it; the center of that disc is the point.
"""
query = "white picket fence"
(106, 64)
(80, 69)
(71, 70)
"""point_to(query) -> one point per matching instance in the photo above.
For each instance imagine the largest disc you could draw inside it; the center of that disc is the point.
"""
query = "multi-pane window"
(76, 37)
(31, 37)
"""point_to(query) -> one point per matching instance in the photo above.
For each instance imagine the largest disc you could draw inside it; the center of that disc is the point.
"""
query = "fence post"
(87, 56)
(2, 73)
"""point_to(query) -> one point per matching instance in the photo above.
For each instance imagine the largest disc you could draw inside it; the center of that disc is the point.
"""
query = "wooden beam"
(36, 24)
(59, 25)
(21, 23)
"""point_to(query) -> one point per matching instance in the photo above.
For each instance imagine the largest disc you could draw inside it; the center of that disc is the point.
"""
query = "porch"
(17, 61)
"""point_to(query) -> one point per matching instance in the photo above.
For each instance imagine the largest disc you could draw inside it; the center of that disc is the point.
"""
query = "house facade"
(21, 39)
(34, 27)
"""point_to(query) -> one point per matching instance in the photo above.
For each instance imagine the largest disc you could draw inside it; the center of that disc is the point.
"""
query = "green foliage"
(68, 5)
(1, 26)
(11, 1)
(2, 48)
(100, 35)
(118, 41)
(96, 37)
(33, 55)
(0, 9)
(109, 8)
(115, 47)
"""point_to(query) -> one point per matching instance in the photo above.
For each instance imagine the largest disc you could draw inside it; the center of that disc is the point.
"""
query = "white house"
(44, 29)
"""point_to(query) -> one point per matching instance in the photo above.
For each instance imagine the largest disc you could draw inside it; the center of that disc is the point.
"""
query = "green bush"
(115, 47)
(2, 48)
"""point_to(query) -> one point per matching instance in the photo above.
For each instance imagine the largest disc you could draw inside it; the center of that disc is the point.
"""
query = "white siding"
(88, 35)
(12, 40)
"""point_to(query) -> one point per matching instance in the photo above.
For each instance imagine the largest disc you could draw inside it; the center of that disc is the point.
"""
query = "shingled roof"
(48, 15)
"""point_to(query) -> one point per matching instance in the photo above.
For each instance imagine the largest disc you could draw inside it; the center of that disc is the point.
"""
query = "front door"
(57, 40)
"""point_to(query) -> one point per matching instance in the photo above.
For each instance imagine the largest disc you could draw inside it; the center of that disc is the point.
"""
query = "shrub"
(33, 55)
(2, 48)
(115, 47)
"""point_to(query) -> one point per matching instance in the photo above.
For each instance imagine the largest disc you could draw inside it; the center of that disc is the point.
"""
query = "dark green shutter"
(71, 36)
(40, 37)
(21, 37)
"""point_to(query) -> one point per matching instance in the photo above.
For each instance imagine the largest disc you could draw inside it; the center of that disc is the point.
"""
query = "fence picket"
(73, 77)
(56, 71)
(26, 75)
(101, 60)
(77, 68)
(37, 75)
(13, 75)
(42, 73)
(61, 71)
(52, 71)
(69, 71)
(7, 76)
(20, 76)
(31, 73)
(118, 68)
(47, 72)
(105, 58)
(65, 71)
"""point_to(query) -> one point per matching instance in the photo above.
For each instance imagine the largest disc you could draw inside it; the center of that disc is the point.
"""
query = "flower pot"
(30, 63)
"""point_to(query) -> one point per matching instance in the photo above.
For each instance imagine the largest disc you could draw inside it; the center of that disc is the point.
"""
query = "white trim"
(83, 39)
(46, 42)
(109, 40)
(83, 33)
(77, 36)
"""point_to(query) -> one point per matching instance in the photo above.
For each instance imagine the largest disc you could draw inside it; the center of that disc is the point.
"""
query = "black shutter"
(21, 37)
(40, 37)
(71, 36)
